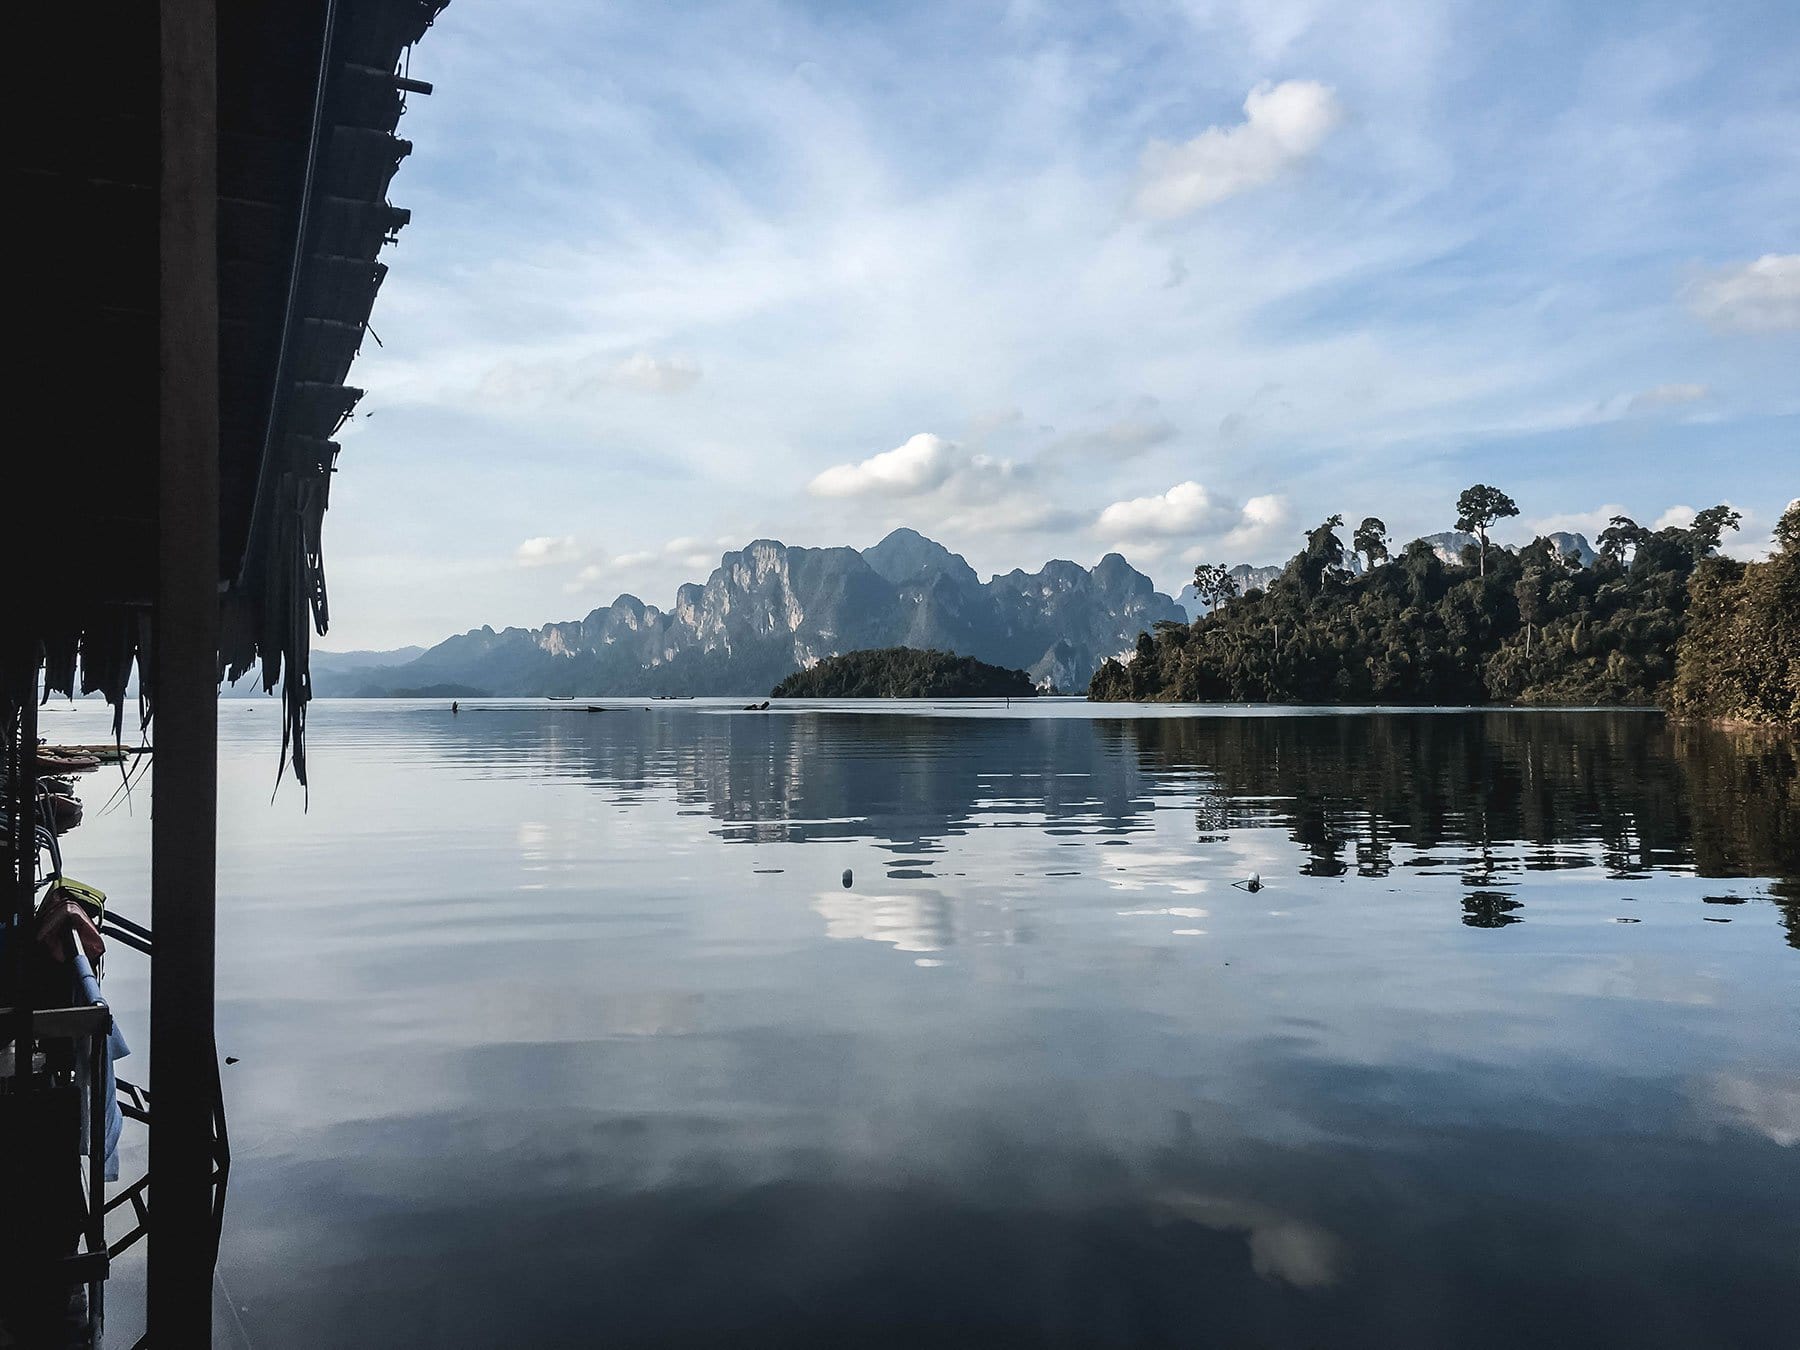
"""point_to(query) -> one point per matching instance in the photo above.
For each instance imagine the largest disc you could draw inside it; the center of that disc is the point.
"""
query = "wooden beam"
(184, 681)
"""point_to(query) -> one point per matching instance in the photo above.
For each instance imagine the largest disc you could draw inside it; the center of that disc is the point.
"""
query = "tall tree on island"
(1370, 540)
(1478, 508)
(1213, 584)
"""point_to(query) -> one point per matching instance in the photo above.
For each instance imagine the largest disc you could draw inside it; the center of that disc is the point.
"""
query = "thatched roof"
(310, 95)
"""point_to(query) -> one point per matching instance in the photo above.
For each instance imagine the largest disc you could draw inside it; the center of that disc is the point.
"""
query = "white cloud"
(546, 549)
(657, 375)
(1667, 396)
(1261, 520)
(918, 466)
(1283, 125)
(1676, 517)
(1186, 508)
(924, 465)
(1757, 297)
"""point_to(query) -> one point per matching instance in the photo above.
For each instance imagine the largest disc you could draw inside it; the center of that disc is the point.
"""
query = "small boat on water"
(561, 698)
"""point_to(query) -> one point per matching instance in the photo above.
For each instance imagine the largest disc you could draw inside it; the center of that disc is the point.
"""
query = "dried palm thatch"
(310, 95)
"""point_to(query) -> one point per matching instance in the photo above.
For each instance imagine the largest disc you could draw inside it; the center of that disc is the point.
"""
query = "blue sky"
(1174, 277)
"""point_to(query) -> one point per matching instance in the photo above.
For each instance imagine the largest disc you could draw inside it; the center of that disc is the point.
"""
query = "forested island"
(1658, 618)
(904, 672)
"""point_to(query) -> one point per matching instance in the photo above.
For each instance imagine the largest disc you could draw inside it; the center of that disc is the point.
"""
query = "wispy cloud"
(1667, 396)
(657, 374)
(1283, 125)
(546, 549)
(1757, 297)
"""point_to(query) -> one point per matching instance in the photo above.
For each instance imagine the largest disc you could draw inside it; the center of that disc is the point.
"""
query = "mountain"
(331, 668)
(1247, 577)
(1449, 544)
(770, 609)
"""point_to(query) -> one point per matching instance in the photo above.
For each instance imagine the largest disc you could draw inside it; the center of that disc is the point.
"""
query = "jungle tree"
(1621, 533)
(1709, 527)
(1478, 508)
(1214, 584)
(1370, 540)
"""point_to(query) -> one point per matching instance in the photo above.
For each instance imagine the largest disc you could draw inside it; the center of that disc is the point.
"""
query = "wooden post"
(184, 684)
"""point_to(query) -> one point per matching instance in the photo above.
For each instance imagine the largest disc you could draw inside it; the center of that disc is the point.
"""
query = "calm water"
(559, 1028)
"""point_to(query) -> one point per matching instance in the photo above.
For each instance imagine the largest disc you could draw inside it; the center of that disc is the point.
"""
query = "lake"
(678, 1024)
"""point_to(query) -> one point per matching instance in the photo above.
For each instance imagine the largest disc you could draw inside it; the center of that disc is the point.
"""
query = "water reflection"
(1487, 796)
(563, 1029)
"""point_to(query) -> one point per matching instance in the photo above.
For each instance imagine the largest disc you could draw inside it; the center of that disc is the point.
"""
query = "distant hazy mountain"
(1449, 544)
(770, 609)
(342, 661)
(330, 669)
(1247, 578)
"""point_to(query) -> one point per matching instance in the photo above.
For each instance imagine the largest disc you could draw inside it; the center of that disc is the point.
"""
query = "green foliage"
(1536, 627)
(1740, 657)
(905, 672)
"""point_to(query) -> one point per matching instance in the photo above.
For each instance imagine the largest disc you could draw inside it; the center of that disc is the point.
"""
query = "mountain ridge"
(771, 608)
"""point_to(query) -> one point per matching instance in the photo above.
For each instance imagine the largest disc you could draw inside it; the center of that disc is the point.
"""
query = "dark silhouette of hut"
(204, 201)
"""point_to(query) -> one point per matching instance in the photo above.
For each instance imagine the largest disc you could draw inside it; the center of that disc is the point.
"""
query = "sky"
(1176, 278)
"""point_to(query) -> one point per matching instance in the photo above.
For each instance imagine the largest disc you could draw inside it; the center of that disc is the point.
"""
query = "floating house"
(205, 203)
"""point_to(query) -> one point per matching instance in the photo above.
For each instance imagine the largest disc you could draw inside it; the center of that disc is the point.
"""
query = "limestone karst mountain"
(769, 609)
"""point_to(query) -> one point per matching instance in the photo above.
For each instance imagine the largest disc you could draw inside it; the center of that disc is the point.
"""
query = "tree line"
(1660, 617)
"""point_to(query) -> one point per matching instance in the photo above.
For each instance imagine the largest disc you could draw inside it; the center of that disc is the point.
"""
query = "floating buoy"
(846, 878)
(1252, 883)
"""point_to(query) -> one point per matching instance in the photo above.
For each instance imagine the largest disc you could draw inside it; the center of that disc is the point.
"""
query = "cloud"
(1283, 125)
(1261, 519)
(686, 554)
(918, 466)
(1756, 297)
(1667, 396)
(1013, 514)
(1126, 437)
(991, 420)
(924, 465)
(546, 549)
(1676, 517)
(1186, 508)
(657, 375)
